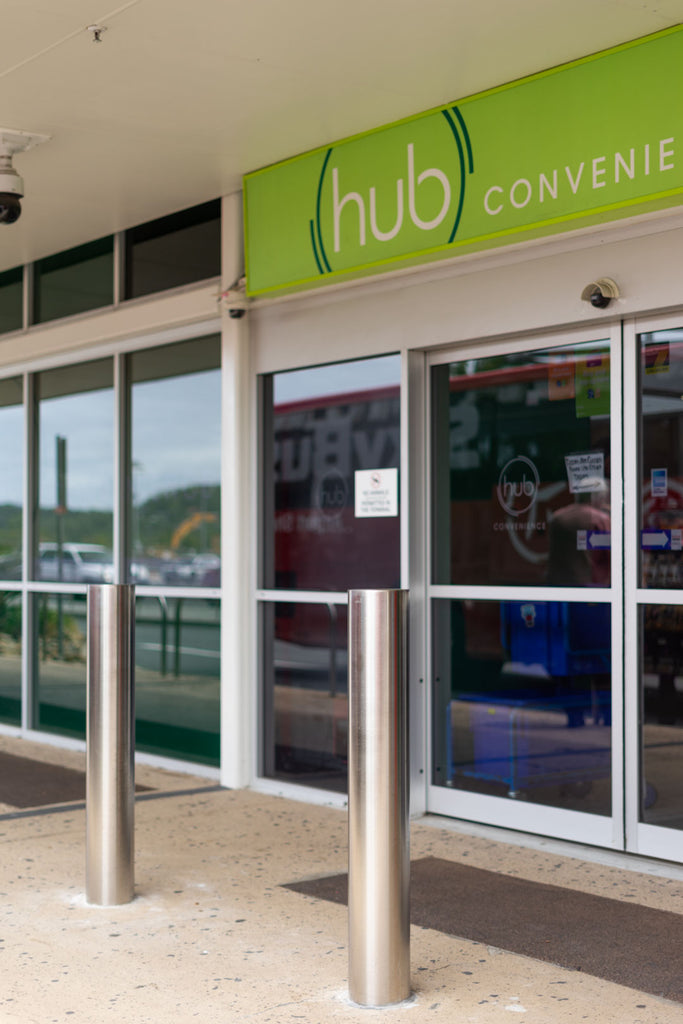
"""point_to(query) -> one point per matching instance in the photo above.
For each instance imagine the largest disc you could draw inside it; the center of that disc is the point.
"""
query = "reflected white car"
(82, 563)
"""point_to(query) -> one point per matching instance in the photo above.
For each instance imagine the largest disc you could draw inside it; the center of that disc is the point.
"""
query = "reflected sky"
(11, 454)
(176, 442)
(176, 433)
(336, 379)
(87, 422)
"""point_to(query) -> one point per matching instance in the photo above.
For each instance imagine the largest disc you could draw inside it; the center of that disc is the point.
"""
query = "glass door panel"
(522, 469)
(523, 701)
(661, 459)
(661, 789)
(658, 714)
(522, 603)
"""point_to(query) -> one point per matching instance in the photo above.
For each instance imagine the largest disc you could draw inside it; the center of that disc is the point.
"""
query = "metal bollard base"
(409, 1001)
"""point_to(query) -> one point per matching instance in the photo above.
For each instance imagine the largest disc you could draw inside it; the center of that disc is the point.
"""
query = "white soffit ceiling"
(178, 100)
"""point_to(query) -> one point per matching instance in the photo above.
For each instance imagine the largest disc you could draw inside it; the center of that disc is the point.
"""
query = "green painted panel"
(580, 144)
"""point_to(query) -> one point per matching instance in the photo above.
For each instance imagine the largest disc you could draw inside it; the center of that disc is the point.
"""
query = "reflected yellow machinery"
(190, 524)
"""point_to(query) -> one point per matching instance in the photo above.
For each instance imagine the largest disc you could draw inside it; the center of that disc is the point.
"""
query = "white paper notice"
(376, 493)
(585, 472)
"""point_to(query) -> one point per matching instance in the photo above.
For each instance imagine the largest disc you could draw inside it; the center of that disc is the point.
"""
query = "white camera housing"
(11, 183)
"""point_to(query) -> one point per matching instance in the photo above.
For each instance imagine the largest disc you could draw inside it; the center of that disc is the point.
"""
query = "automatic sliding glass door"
(525, 587)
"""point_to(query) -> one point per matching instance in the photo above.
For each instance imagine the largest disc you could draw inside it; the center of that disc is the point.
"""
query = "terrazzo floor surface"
(214, 936)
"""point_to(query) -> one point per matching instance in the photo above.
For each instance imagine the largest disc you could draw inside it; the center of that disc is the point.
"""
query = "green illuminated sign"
(584, 143)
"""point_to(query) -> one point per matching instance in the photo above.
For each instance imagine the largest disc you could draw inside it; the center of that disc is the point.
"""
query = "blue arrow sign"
(660, 540)
(596, 539)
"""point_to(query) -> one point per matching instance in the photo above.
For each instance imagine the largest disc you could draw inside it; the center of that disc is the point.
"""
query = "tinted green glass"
(10, 657)
(11, 300)
(11, 477)
(61, 663)
(74, 281)
(177, 673)
(177, 678)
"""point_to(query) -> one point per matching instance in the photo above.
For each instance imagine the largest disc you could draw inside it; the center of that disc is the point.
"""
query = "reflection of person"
(572, 562)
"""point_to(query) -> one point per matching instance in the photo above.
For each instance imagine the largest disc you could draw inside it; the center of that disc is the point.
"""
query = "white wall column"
(237, 521)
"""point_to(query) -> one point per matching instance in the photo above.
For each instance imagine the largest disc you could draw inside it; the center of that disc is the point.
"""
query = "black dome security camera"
(597, 298)
(601, 292)
(10, 208)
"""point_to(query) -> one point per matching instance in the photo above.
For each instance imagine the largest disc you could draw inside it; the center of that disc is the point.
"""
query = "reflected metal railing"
(177, 629)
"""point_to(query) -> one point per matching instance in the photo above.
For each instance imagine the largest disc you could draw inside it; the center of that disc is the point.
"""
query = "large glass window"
(11, 477)
(174, 457)
(333, 448)
(176, 463)
(74, 281)
(76, 473)
(522, 469)
(173, 251)
(331, 441)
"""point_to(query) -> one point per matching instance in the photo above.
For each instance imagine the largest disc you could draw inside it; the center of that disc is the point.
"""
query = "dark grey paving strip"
(160, 794)
(38, 812)
(618, 941)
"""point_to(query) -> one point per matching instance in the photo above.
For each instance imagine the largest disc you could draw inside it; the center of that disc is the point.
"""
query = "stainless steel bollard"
(110, 771)
(379, 857)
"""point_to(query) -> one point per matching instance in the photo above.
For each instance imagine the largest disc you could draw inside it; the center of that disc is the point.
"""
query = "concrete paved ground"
(212, 936)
